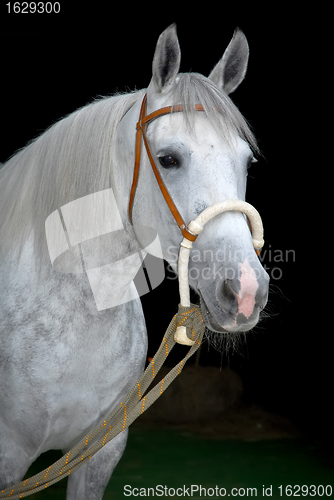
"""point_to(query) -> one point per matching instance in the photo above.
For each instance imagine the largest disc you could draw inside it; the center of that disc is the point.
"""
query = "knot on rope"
(189, 325)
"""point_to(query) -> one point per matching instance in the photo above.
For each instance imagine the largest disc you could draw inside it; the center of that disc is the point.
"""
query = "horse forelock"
(190, 89)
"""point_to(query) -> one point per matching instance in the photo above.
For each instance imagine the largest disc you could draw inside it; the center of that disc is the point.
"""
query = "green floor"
(174, 460)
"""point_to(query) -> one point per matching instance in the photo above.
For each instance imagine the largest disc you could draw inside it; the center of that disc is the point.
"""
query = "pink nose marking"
(248, 287)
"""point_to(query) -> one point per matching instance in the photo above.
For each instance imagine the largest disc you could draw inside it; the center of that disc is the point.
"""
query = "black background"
(53, 64)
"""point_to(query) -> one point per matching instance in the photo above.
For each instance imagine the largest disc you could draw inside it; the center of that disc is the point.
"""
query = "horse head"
(203, 158)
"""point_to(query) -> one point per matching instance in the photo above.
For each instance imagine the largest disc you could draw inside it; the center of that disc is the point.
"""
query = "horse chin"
(235, 324)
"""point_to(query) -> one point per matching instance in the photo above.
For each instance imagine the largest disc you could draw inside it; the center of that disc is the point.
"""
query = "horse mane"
(74, 157)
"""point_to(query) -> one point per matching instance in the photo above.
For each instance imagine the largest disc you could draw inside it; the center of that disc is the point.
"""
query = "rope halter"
(183, 334)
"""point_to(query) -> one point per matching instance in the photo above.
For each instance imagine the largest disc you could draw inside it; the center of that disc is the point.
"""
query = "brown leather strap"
(165, 111)
(137, 158)
(141, 125)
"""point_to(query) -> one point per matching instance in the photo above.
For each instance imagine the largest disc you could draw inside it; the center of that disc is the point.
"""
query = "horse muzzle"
(234, 304)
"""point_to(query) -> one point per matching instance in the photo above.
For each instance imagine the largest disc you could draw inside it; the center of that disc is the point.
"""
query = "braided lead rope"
(195, 227)
(133, 405)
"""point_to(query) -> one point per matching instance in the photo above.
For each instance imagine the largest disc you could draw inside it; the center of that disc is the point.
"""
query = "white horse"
(65, 361)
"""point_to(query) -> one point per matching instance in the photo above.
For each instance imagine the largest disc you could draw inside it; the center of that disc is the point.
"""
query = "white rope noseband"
(195, 227)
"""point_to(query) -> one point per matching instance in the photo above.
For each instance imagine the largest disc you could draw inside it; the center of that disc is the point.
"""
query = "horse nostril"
(227, 297)
(262, 299)
(227, 290)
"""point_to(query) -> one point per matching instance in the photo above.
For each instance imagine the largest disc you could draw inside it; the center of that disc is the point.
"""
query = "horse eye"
(168, 161)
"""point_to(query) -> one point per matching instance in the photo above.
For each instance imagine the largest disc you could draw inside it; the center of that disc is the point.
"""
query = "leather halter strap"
(141, 126)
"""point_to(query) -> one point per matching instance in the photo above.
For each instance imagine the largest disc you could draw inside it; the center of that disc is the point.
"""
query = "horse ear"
(231, 69)
(166, 61)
